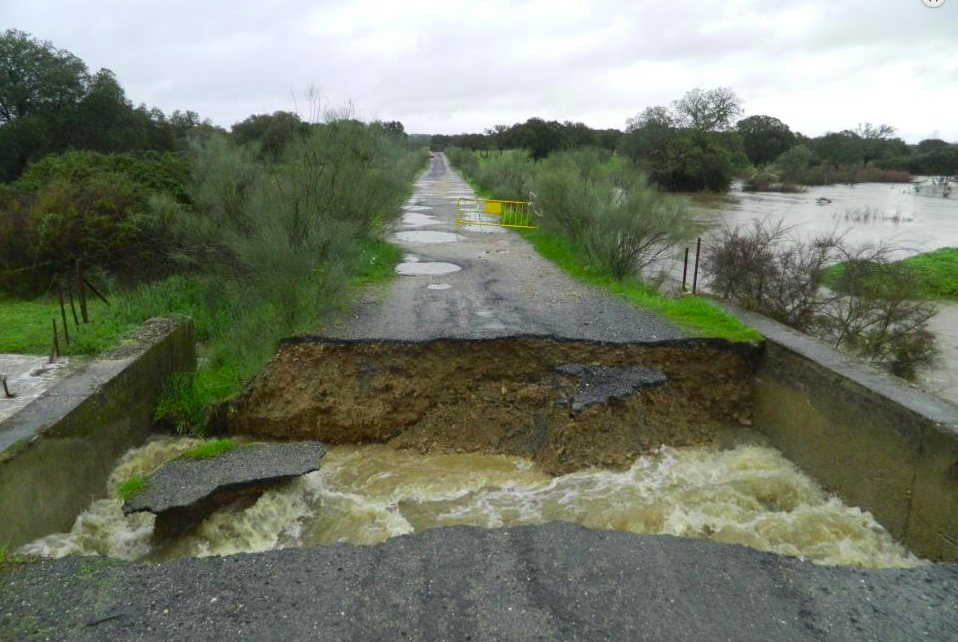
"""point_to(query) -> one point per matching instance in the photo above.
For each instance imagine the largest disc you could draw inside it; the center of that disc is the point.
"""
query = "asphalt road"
(553, 582)
(504, 287)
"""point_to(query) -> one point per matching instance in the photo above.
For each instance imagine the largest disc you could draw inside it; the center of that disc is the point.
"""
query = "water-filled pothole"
(749, 495)
(427, 236)
(426, 268)
(416, 219)
(438, 286)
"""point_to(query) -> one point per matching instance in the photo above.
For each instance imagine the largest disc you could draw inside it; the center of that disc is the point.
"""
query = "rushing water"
(748, 495)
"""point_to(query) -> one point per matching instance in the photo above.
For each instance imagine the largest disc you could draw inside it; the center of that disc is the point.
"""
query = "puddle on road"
(426, 268)
(417, 208)
(749, 495)
(426, 236)
(415, 219)
(438, 286)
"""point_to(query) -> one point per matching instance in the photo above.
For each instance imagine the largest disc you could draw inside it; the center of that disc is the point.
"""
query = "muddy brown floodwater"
(748, 494)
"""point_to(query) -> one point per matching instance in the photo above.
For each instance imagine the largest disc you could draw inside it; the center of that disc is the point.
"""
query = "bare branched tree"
(857, 298)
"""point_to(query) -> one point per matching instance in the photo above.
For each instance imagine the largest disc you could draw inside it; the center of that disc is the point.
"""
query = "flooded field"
(915, 221)
(868, 212)
(749, 495)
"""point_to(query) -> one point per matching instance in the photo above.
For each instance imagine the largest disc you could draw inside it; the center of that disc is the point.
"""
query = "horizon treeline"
(701, 141)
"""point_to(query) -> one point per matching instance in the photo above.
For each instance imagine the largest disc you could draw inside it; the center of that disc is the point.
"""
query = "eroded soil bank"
(532, 397)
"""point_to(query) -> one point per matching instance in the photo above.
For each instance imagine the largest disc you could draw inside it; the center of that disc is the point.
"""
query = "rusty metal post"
(95, 291)
(81, 294)
(63, 311)
(55, 348)
(695, 273)
(73, 309)
(685, 269)
(6, 390)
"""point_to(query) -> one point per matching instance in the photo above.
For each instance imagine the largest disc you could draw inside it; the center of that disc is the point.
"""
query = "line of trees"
(701, 142)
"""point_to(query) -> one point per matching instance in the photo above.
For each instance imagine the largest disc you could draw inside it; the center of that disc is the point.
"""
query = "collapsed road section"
(565, 404)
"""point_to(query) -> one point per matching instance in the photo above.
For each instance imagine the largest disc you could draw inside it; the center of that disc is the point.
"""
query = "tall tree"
(877, 141)
(35, 76)
(765, 138)
(708, 111)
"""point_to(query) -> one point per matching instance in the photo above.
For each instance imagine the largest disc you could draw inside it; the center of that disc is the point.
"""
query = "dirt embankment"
(501, 396)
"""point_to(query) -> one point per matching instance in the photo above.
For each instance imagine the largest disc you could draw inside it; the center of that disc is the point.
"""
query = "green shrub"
(95, 207)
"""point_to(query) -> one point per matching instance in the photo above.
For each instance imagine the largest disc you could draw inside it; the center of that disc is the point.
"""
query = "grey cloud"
(459, 65)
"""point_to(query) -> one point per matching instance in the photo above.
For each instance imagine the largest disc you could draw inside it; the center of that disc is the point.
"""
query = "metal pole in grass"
(81, 294)
(70, 295)
(685, 269)
(63, 311)
(55, 348)
(695, 273)
(95, 291)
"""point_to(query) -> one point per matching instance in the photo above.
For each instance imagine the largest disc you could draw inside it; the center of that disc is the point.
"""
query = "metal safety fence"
(519, 215)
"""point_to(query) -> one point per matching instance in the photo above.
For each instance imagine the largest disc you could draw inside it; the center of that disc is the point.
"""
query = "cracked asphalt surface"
(551, 582)
(504, 287)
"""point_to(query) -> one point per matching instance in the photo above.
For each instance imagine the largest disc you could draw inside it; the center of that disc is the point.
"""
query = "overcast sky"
(448, 66)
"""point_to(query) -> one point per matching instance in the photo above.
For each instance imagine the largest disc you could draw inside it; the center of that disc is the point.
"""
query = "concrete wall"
(877, 442)
(57, 452)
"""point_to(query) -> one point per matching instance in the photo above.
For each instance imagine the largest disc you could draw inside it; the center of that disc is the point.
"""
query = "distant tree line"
(701, 142)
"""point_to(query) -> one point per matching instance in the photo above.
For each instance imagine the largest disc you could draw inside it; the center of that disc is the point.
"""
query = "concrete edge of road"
(875, 440)
(57, 452)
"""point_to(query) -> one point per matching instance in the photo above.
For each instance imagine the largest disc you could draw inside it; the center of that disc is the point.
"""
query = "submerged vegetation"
(868, 307)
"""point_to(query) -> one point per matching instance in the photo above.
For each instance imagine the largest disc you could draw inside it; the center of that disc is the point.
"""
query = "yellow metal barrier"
(519, 215)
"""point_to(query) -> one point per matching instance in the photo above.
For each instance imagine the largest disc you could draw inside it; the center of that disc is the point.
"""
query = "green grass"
(26, 327)
(377, 263)
(935, 273)
(694, 314)
(125, 490)
(210, 449)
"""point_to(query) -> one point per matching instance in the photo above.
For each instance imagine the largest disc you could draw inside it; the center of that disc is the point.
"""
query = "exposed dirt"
(497, 396)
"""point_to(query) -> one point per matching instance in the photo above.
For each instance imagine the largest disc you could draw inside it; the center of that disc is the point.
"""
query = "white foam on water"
(749, 495)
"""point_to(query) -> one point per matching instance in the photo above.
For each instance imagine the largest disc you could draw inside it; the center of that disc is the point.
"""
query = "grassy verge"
(935, 274)
(695, 314)
(125, 490)
(26, 327)
(210, 449)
